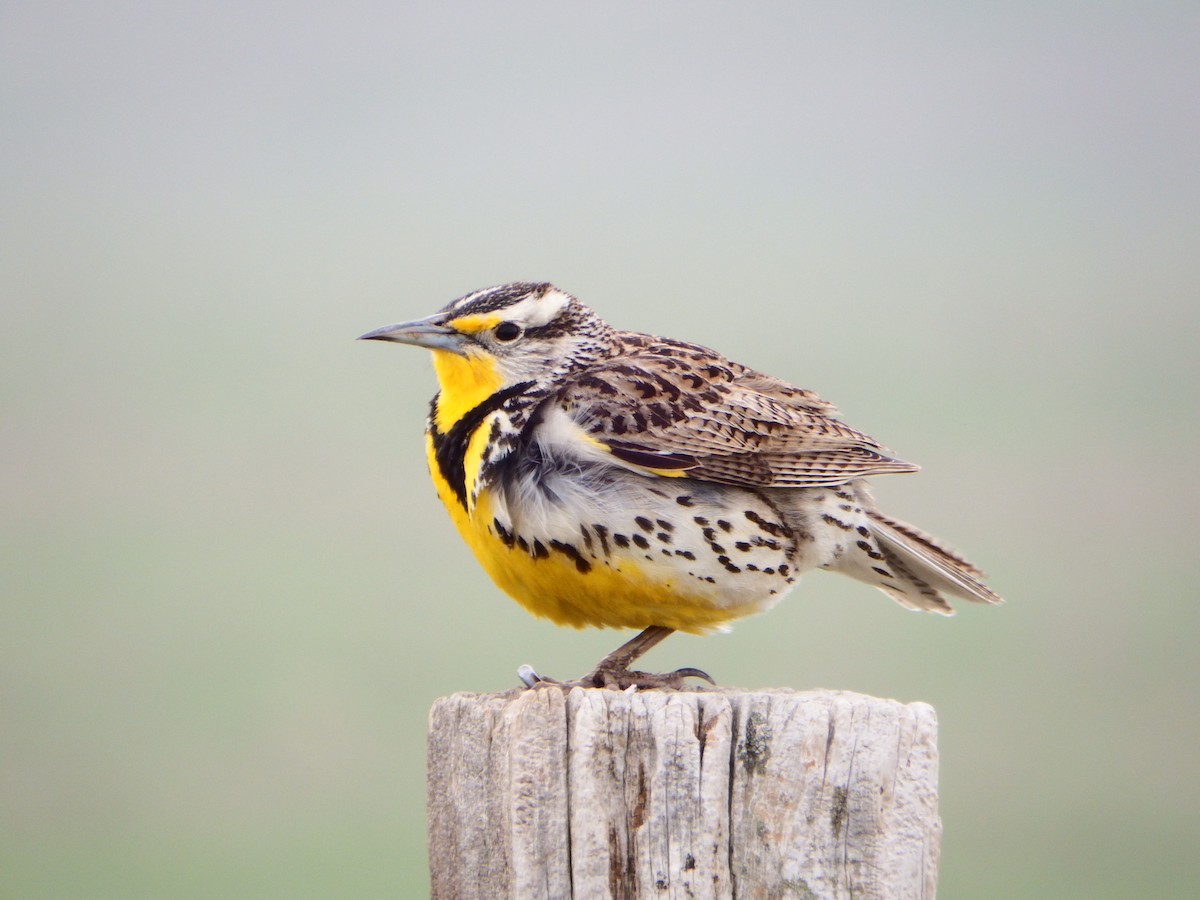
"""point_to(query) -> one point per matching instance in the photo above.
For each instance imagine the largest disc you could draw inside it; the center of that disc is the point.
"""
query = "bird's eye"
(507, 332)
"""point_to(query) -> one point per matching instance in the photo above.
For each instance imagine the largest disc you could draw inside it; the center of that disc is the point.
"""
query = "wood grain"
(594, 793)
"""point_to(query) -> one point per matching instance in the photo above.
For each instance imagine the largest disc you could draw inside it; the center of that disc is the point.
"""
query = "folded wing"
(672, 409)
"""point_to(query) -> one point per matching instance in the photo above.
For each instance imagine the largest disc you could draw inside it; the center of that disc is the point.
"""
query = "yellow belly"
(619, 591)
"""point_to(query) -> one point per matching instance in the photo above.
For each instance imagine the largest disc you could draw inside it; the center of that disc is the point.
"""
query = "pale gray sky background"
(229, 593)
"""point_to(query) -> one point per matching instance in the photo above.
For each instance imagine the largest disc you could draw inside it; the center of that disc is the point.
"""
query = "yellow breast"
(613, 590)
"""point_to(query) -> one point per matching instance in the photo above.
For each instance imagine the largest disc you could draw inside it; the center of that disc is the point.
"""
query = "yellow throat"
(465, 382)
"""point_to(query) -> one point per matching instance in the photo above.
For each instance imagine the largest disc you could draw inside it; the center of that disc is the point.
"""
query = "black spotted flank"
(602, 533)
(573, 554)
(836, 522)
(644, 523)
(684, 500)
(729, 566)
(503, 533)
(869, 550)
(771, 528)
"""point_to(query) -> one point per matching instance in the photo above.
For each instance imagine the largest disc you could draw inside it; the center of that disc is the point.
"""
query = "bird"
(617, 479)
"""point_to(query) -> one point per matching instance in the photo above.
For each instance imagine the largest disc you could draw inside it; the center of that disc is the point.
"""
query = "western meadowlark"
(612, 478)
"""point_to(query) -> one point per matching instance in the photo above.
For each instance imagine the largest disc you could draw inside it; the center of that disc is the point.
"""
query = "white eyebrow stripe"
(533, 312)
(535, 305)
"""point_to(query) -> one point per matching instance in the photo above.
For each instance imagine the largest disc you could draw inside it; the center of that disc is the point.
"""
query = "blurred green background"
(229, 594)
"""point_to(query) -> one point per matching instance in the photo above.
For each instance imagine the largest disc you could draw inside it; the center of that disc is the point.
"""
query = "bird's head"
(499, 337)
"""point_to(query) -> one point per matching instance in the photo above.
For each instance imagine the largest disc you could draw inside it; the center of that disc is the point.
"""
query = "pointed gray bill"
(427, 332)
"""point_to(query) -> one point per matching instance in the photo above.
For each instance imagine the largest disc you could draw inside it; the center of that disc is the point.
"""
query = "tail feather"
(914, 568)
(930, 543)
(929, 561)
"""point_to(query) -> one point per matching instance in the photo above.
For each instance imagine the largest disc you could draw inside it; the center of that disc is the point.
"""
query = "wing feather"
(679, 409)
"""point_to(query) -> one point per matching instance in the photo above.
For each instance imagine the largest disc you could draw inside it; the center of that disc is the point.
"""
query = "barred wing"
(675, 409)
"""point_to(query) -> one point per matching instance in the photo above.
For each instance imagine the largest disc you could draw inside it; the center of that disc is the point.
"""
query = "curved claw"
(692, 672)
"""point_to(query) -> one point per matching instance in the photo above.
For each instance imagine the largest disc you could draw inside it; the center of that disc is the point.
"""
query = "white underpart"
(552, 502)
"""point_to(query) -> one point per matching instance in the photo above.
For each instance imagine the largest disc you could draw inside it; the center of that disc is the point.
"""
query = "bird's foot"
(626, 679)
(619, 679)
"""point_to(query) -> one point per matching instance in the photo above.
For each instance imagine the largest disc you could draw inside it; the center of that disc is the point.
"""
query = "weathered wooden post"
(723, 793)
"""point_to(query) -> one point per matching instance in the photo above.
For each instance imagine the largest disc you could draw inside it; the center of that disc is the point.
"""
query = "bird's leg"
(613, 671)
(634, 648)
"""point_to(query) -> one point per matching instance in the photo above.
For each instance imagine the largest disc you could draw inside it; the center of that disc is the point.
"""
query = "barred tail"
(914, 568)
